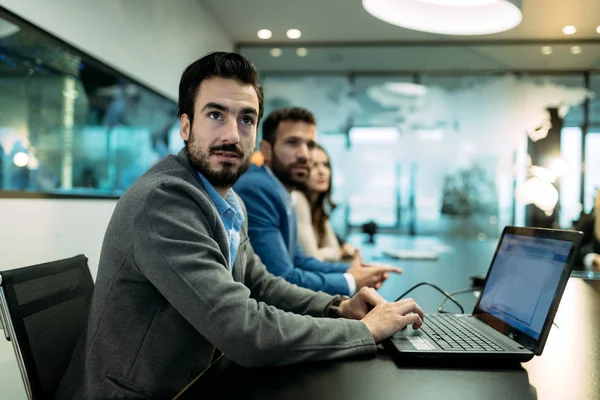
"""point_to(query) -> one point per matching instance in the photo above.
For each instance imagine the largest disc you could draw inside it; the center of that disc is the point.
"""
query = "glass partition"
(70, 125)
(450, 154)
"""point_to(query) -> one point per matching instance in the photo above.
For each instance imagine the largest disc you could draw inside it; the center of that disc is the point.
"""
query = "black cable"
(448, 296)
(469, 290)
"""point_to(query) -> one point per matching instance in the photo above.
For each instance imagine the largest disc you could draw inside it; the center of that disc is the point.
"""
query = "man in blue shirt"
(289, 134)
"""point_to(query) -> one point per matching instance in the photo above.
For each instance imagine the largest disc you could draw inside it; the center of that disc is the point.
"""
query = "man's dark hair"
(294, 114)
(220, 64)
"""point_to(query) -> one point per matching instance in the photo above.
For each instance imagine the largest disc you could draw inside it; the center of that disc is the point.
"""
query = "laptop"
(514, 313)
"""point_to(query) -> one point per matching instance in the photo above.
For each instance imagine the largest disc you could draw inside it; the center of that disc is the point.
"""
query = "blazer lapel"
(220, 233)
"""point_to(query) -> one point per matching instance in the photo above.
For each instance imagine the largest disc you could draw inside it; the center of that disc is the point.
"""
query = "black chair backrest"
(48, 305)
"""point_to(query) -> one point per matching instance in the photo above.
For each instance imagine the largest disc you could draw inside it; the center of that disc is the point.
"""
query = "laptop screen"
(523, 281)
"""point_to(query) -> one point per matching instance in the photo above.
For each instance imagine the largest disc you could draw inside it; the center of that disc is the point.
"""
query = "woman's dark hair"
(323, 205)
(217, 64)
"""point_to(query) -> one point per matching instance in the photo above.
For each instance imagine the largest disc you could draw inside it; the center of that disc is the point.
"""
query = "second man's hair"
(294, 114)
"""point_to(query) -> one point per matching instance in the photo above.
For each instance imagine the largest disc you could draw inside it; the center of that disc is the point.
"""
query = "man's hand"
(369, 275)
(360, 304)
(388, 318)
(347, 251)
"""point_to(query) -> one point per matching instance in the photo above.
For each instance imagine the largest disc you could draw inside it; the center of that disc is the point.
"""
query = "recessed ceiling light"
(448, 17)
(546, 50)
(598, 29)
(264, 34)
(569, 30)
(293, 33)
(576, 50)
(275, 52)
(301, 52)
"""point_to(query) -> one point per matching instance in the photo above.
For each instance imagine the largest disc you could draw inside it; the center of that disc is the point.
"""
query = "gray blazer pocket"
(121, 389)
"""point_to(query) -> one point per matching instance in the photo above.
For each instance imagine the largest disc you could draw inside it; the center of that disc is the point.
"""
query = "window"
(68, 124)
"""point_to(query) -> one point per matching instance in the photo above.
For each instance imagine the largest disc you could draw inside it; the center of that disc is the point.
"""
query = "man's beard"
(286, 176)
(229, 173)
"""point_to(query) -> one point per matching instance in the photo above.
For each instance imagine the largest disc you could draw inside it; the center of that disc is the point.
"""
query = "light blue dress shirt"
(231, 215)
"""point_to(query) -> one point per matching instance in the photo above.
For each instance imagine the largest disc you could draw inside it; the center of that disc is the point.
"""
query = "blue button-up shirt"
(231, 215)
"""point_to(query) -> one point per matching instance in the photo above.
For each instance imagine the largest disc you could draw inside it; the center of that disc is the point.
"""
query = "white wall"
(149, 40)
(38, 230)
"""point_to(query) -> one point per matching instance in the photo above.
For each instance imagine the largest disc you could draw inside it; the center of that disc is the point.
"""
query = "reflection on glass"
(592, 169)
(444, 154)
(570, 182)
(68, 125)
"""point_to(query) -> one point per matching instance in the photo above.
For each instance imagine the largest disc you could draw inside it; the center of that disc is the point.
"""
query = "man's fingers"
(412, 319)
(410, 307)
(370, 296)
(379, 269)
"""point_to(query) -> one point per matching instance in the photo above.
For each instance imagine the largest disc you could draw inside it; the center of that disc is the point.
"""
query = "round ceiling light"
(264, 34)
(276, 52)
(569, 30)
(448, 17)
(293, 33)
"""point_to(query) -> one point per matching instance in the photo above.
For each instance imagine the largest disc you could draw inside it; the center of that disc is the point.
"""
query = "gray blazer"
(165, 300)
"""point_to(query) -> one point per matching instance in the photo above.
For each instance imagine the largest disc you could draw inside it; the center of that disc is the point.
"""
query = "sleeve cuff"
(588, 260)
(352, 283)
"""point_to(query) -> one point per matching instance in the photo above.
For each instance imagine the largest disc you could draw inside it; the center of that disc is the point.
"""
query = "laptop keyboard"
(452, 334)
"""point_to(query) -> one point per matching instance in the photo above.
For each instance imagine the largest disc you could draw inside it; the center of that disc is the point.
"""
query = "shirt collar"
(228, 207)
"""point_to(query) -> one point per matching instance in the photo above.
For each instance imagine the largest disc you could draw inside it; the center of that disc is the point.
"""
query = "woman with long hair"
(313, 207)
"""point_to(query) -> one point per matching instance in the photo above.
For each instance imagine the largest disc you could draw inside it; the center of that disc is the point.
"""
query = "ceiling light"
(264, 34)
(293, 33)
(406, 88)
(275, 52)
(576, 50)
(301, 52)
(598, 29)
(448, 17)
(546, 50)
(569, 30)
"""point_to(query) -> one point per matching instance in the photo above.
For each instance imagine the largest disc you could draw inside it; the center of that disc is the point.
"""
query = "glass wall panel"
(592, 169)
(450, 154)
(68, 124)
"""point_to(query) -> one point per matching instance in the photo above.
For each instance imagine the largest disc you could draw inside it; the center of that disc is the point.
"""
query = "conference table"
(569, 367)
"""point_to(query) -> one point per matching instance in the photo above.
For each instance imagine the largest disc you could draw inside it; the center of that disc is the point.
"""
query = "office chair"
(44, 309)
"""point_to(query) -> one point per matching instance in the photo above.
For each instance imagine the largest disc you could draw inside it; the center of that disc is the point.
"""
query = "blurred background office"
(444, 126)
(454, 128)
